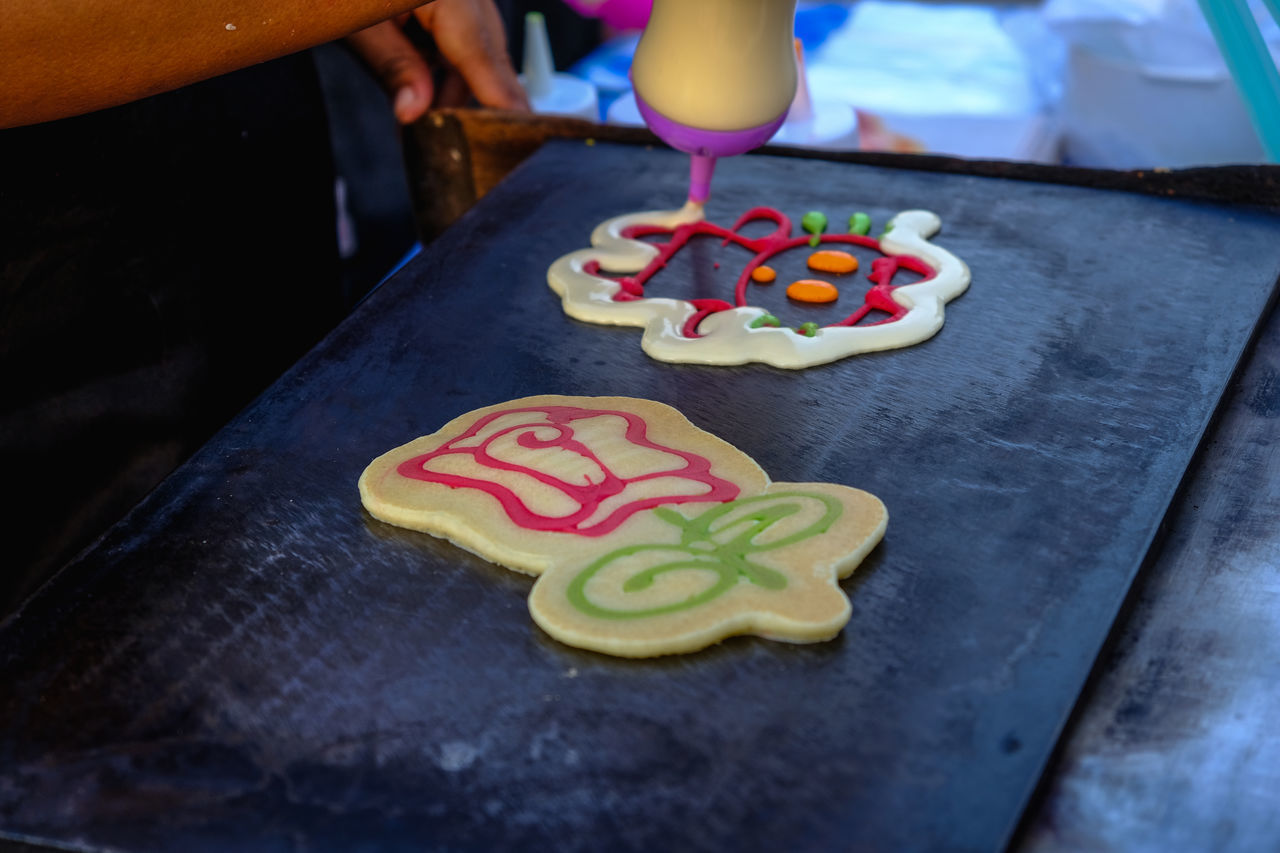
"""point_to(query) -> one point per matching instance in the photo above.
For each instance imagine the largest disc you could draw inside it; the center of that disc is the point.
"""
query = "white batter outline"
(727, 337)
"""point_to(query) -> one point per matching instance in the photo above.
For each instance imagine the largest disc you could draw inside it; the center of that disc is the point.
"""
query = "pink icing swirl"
(551, 428)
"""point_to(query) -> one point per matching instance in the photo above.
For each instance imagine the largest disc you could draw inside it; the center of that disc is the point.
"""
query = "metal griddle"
(250, 662)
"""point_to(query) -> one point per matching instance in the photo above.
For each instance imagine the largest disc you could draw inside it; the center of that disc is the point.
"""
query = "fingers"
(471, 39)
(398, 66)
(453, 90)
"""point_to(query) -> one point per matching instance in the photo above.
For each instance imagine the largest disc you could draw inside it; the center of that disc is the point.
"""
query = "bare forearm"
(64, 57)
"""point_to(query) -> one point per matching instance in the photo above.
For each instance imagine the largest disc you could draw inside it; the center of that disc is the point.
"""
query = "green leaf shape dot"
(815, 222)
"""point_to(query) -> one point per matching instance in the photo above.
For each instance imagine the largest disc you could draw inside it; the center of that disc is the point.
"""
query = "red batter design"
(702, 485)
(878, 298)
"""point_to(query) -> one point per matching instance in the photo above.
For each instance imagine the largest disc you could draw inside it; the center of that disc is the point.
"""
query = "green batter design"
(710, 544)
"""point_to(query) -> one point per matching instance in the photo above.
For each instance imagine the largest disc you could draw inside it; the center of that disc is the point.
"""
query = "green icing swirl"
(717, 541)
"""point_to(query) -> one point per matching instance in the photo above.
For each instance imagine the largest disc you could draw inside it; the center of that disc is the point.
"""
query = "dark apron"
(160, 264)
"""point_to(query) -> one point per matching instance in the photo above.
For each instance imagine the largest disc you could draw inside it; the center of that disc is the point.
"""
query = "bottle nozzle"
(701, 168)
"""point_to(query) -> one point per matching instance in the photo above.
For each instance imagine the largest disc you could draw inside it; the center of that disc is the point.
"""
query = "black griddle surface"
(250, 662)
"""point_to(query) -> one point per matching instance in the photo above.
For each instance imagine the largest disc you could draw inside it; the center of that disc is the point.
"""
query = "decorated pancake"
(607, 284)
(648, 535)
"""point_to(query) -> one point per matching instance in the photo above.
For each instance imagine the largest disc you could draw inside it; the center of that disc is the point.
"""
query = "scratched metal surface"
(250, 662)
(1175, 746)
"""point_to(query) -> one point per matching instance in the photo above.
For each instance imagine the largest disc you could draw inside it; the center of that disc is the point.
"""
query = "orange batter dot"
(763, 274)
(812, 290)
(833, 261)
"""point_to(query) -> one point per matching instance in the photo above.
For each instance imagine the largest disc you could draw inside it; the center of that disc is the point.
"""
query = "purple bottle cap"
(705, 145)
(708, 143)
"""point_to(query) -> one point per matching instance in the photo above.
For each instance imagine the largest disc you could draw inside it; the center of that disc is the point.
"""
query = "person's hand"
(875, 135)
(470, 38)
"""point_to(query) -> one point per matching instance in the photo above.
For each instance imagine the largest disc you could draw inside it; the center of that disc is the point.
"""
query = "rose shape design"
(568, 469)
(589, 494)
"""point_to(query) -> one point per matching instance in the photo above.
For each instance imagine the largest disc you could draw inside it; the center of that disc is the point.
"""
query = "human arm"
(64, 57)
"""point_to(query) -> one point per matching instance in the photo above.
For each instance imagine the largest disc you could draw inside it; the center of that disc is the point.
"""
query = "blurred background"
(1115, 84)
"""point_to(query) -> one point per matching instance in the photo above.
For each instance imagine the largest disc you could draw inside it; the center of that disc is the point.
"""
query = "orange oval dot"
(812, 290)
(833, 261)
(763, 274)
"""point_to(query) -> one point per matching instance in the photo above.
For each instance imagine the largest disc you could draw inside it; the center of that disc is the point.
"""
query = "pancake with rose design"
(648, 535)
